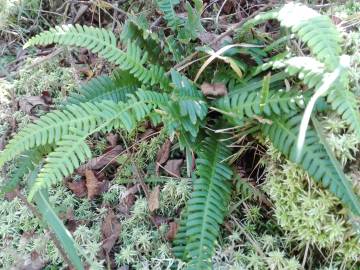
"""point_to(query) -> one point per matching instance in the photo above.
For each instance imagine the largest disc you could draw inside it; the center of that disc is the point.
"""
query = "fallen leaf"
(100, 162)
(29, 262)
(163, 154)
(93, 185)
(159, 220)
(128, 198)
(216, 89)
(172, 167)
(207, 38)
(28, 104)
(112, 139)
(153, 200)
(110, 230)
(173, 227)
(78, 187)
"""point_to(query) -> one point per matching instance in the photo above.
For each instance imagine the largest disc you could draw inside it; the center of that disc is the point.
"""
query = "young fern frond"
(115, 88)
(283, 132)
(207, 206)
(167, 7)
(103, 42)
(316, 30)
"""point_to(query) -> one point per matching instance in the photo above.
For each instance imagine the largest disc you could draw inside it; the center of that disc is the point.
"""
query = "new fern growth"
(141, 90)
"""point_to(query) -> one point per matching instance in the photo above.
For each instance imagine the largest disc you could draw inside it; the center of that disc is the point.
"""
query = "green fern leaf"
(344, 102)
(208, 203)
(316, 30)
(167, 7)
(23, 165)
(102, 88)
(283, 132)
(103, 42)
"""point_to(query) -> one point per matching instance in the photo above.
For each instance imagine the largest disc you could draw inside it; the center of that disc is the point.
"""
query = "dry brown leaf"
(101, 161)
(163, 154)
(93, 185)
(78, 187)
(29, 262)
(110, 231)
(173, 166)
(112, 139)
(28, 104)
(153, 200)
(173, 227)
(216, 89)
(128, 199)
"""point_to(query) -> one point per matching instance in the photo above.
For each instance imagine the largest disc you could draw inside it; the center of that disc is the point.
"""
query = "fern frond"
(346, 104)
(106, 88)
(167, 7)
(248, 104)
(283, 132)
(69, 154)
(208, 203)
(103, 42)
(316, 30)
(23, 165)
(306, 68)
(51, 127)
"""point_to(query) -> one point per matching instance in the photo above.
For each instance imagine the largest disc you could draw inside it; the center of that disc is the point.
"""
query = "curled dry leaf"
(173, 166)
(110, 230)
(128, 198)
(163, 154)
(153, 200)
(28, 104)
(216, 89)
(78, 187)
(173, 227)
(100, 162)
(93, 185)
(112, 139)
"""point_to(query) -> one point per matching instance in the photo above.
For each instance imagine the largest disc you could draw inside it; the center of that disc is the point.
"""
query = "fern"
(248, 104)
(167, 7)
(316, 30)
(314, 159)
(102, 88)
(208, 202)
(104, 43)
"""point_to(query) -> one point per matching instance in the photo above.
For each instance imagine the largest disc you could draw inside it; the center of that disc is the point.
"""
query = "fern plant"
(141, 90)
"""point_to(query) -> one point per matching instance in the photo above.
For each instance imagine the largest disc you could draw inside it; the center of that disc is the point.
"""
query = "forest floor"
(122, 207)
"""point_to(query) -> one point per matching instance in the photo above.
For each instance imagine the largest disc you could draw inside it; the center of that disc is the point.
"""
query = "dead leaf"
(28, 104)
(172, 167)
(216, 89)
(173, 227)
(163, 154)
(29, 262)
(208, 38)
(153, 200)
(111, 231)
(159, 220)
(101, 161)
(112, 139)
(78, 187)
(128, 198)
(93, 185)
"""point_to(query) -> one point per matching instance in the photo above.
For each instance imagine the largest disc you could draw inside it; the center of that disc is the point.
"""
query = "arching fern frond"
(51, 127)
(306, 68)
(316, 30)
(106, 88)
(207, 206)
(103, 42)
(249, 104)
(283, 132)
(70, 152)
